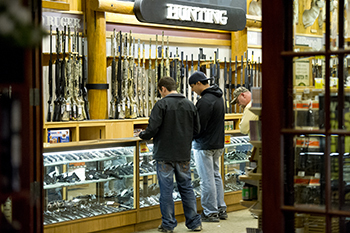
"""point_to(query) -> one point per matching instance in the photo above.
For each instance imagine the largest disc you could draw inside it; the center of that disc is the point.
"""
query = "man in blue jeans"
(172, 123)
(208, 146)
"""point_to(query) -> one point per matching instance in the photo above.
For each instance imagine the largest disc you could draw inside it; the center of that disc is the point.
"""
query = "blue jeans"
(207, 164)
(182, 172)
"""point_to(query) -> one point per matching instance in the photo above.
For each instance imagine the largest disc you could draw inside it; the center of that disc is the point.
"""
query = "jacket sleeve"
(204, 116)
(154, 123)
(196, 123)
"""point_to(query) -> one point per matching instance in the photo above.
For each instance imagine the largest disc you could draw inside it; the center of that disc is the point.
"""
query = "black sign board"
(191, 14)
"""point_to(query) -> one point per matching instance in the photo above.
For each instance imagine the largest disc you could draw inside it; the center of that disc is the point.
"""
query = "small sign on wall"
(301, 74)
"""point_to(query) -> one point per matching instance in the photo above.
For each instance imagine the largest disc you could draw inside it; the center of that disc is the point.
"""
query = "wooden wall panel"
(123, 129)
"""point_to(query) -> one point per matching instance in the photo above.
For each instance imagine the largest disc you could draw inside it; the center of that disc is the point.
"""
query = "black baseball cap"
(197, 76)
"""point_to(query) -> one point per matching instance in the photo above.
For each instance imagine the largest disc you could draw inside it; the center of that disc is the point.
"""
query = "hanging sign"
(59, 20)
(190, 14)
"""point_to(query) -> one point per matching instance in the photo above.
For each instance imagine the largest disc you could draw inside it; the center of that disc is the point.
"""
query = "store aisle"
(237, 222)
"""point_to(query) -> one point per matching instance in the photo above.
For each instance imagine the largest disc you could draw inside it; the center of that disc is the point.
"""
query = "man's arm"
(204, 117)
(196, 123)
(154, 123)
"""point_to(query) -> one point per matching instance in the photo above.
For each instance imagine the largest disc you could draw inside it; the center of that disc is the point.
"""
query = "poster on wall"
(301, 73)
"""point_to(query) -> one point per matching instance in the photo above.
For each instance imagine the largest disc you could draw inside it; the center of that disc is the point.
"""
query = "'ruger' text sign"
(190, 14)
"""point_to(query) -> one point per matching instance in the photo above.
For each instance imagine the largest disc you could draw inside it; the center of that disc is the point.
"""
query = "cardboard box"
(58, 136)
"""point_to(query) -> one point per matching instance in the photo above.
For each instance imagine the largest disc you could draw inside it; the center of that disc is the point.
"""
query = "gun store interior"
(71, 114)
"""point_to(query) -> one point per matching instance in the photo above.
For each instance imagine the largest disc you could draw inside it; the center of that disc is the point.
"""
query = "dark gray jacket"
(211, 112)
(173, 122)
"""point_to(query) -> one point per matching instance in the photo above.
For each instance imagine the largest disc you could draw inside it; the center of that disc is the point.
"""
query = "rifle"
(167, 63)
(67, 114)
(225, 87)
(199, 62)
(247, 73)
(72, 77)
(235, 85)
(255, 84)
(177, 70)
(217, 68)
(113, 79)
(214, 70)
(190, 93)
(84, 79)
(162, 60)
(259, 78)
(49, 109)
(156, 94)
(139, 79)
(144, 82)
(78, 92)
(57, 106)
(241, 83)
(135, 73)
(125, 98)
(230, 84)
(182, 75)
(132, 105)
(63, 78)
(186, 80)
(150, 77)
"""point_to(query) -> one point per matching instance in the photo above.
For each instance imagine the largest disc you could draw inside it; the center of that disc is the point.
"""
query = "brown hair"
(168, 83)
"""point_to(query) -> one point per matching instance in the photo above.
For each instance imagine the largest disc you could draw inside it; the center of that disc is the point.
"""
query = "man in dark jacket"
(172, 123)
(208, 146)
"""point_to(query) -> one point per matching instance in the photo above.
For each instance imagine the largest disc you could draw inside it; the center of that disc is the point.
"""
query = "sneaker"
(223, 215)
(210, 218)
(199, 228)
(162, 229)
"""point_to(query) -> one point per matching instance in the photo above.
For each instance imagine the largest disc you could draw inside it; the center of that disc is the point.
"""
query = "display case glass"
(237, 152)
(88, 180)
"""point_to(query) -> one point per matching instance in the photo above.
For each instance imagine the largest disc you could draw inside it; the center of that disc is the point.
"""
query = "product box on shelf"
(58, 136)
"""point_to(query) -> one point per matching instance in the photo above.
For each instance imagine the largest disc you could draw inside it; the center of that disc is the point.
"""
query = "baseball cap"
(237, 92)
(197, 76)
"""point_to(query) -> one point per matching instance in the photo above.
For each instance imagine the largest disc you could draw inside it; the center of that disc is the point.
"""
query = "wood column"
(239, 44)
(97, 61)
